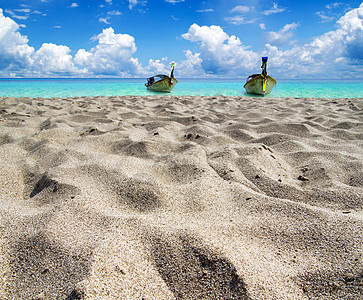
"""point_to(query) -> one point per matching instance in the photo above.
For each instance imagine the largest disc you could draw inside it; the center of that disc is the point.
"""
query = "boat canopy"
(159, 76)
(152, 79)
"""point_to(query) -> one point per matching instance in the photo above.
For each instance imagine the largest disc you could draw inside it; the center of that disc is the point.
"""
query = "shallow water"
(49, 88)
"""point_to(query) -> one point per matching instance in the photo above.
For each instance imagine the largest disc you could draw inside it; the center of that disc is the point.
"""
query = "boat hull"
(255, 85)
(162, 85)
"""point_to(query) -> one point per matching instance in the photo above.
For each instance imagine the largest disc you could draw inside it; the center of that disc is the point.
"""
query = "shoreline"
(181, 197)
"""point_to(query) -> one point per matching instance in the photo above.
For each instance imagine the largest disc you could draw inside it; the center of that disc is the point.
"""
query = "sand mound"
(166, 197)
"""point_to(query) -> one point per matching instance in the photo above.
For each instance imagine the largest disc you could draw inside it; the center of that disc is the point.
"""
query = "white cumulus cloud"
(219, 52)
(191, 66)
(112, 55)
(53, 59)
(158, 66)
(15, 53)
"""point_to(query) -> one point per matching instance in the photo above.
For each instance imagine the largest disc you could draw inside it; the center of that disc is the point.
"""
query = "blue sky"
(137, 38)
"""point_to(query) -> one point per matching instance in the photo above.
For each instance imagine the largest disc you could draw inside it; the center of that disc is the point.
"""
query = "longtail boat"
(162, 83)
(260, 84)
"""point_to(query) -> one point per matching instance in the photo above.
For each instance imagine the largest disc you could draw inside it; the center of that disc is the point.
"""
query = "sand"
(166, 197)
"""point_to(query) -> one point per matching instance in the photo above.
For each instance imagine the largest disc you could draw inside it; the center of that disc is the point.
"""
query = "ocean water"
(49, 88)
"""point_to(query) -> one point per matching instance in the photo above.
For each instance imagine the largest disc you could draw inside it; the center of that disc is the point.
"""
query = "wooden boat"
(162, 83)
(260, 84)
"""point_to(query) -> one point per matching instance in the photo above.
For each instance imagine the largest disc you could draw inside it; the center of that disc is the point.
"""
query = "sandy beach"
(181, 197)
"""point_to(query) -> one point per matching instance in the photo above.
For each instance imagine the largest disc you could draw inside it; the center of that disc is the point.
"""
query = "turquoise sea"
(49, 88)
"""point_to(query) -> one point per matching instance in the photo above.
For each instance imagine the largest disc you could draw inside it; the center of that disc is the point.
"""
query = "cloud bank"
(337, 53)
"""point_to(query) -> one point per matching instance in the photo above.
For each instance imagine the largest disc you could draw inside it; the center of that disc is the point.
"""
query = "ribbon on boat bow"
(264, 73)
